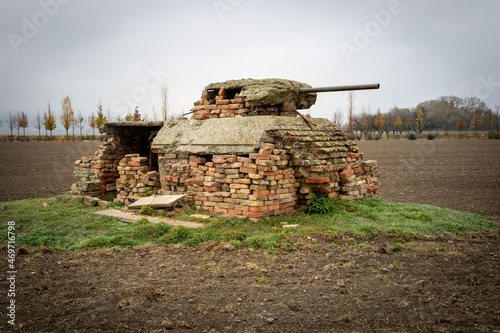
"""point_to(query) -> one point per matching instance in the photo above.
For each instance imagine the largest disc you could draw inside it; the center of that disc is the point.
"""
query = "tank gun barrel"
(340, 88)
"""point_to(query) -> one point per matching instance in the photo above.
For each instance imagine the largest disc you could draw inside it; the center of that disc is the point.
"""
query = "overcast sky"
(120, 51)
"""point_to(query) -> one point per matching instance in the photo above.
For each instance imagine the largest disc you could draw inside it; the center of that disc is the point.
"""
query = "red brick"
(260, 156)
(223, 102)
(220, 210)
(244, 159)
(248, 170)
(259, 209)
(242, 208)
(98, 166)
(265, 192)
(198, 198)
(222, 92)
(211, 188)
(288, 108)
(274, 207)
(346, 174)
(317, 180)
(253, 215)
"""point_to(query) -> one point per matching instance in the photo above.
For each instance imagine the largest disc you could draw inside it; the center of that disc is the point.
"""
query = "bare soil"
(458, 174)
(39, 169)
(440, 284)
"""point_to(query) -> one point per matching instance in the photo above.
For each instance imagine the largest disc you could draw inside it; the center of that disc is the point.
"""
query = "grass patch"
(69, 224)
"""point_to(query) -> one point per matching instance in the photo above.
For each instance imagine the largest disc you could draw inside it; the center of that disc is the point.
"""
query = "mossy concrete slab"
(270, 91)
(129, 217)
(224, 135)
(160, 201)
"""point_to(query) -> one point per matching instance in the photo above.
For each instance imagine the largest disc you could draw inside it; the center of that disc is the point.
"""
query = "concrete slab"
(159, 201)
(130, 217)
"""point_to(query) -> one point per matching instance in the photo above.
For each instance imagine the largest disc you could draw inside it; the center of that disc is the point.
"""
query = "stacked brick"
(359, 180)
(87, 178)
(296, 163)
(224, 106)
(105, 162)
(135, 179)
(323, 161)
(257, 185)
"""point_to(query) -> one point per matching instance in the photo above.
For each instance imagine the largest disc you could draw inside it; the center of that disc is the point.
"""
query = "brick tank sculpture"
(246, 151)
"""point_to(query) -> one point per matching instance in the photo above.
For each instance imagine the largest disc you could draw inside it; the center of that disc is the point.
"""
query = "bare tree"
(338, 118)
(38, 123)
(350, 106)
(80, 121)
(164, 101)
(12, 122)
(17, 125)
(175, 116)
(155, 114)
(92, 122)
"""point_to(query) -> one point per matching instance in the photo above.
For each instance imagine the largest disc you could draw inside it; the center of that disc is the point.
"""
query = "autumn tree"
(128, 117)
(497, 116)
(468, 110)
(23, 122)
(379, 122)
(398, 124)
(49, 120)
(460, 124)
(37, 123)
(476, 122)
(137, 116)
(67, 116)
(92, 122)
(489, 119)
(100, 119)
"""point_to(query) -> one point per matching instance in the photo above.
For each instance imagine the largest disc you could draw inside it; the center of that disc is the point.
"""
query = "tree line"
(70, 120)
(447, 113)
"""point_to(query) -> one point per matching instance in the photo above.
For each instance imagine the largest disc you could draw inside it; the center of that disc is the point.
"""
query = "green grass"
(69, 224)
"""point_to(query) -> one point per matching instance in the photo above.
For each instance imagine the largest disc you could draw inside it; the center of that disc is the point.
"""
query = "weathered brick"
(319, 180)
